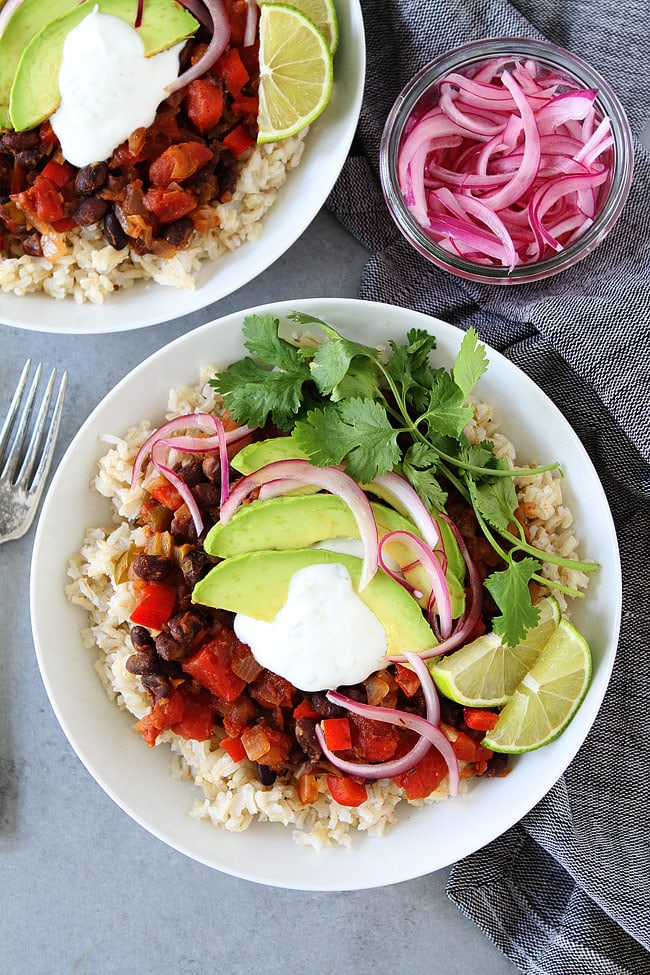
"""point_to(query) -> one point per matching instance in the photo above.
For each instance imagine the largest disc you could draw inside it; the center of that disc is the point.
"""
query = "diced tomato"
(239, 140)
(234, 747)
(375, 741)
(63, 225)
(154, 606)
(272, 690)
(204, 103)
(179, 162)
(164, 715)
(468, 750)
(305, 710)
(197, 722)
(231, 68)
(47, 133)
(338, 736)
(238, 715)
(169, 203)
(346, 791)
(42, 198)
(211, 667)
(307, 788)
(407, 679)
(427, 775)
(480, 719)
(265, 745)
(166, 494)
(58, 173)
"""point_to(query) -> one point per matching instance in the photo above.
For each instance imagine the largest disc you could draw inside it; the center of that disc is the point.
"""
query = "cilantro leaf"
(446, 410)
(333, 359)
(509, 589)
(471, 362)
(361, 380)
(252, 394)
(355, 433)
(419, 467)
(496, 499)
(262, 340)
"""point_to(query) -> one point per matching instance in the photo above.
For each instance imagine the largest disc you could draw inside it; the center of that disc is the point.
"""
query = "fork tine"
(32, 452)
(47, 452)
(7, 426)
(12, 458)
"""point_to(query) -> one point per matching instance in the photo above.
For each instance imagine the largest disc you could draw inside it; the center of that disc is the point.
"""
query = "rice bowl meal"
(233, 513)
(97, 194)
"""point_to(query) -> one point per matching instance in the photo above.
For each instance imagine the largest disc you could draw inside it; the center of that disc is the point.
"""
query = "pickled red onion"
(510, 165)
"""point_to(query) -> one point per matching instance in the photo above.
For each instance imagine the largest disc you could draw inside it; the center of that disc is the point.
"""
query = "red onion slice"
(331, 479)
(405, 498)
(440, 599)
(429, 732)
(252, 16)
(216, 47)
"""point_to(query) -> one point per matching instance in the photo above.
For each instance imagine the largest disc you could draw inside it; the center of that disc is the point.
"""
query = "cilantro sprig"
(350, 405)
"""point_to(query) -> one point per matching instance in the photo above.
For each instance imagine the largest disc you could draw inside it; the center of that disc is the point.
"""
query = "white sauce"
(108, 87)
(323, 637)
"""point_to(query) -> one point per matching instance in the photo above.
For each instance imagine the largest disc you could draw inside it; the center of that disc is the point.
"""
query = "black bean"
(157, 686)
(168, 649)
(306, 738)
(29, 158)
(208, 495)
(141, 637)
(113, 231)
(17, 141)
(194, 566)
(151, 568)
(178, 233)
(325, 708)
(191, 471)
(212, 468)
(89, 210)
(89, 179)
(32, 245)
(184, 627)
(496, 765)
(144, 662)
(265, 774)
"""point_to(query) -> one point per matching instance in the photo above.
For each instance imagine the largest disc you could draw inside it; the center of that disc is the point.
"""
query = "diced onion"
(485, 171)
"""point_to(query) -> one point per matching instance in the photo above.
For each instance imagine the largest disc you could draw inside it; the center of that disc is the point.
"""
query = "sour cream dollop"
(108, 87)
(323, 637)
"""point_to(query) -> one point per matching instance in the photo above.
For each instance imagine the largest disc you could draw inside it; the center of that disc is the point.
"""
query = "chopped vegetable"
(346, 791)
(154, 606)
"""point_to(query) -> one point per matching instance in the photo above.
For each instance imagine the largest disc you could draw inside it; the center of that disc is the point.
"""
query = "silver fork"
(24, 466)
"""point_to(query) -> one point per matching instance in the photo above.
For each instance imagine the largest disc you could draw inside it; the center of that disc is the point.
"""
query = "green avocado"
(25, 22)
(257, 583)
(263, 452)
(35, 90)
(296, 522)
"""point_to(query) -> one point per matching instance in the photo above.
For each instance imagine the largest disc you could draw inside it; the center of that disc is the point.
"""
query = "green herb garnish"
(348, 405)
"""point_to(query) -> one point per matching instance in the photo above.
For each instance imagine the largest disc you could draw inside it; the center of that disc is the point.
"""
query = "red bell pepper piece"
(234, 747)
(166, 494)
(480, 719)
(467, 750)
(58, 173)
(233, 71)
(346, 791)
(179, 162)
(305, 710)
(338, 736)
(239, 140)
(154, 606)
(197, 721)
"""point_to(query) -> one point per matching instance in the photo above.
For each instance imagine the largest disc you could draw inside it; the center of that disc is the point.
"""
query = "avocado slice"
(35, 93)
(263, 452)
(257, 583)
(25, 22)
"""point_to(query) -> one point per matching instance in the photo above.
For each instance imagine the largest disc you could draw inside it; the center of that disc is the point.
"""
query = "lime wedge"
(485, 673)
(548, 696)
(296, 72)
(323, 14)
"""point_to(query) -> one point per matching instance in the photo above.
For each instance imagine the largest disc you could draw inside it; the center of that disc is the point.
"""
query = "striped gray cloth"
(566, 891)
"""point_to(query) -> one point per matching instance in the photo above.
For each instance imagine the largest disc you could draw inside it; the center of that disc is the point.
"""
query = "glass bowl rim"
(458, 59)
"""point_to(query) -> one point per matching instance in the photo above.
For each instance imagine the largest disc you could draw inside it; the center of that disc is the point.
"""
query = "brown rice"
(230, 795)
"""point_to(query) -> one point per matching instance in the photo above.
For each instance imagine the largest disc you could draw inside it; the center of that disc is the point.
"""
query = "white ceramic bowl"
(139, 780)
(298, 202)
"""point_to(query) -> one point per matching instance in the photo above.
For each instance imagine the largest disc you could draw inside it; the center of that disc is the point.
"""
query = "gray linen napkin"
(566, 891)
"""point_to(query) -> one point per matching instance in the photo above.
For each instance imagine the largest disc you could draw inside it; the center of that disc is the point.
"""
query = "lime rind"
(547, 698)
(485, 673)
(295, 86)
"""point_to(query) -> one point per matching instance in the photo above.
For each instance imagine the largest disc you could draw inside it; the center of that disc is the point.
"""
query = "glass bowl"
(423, 92)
